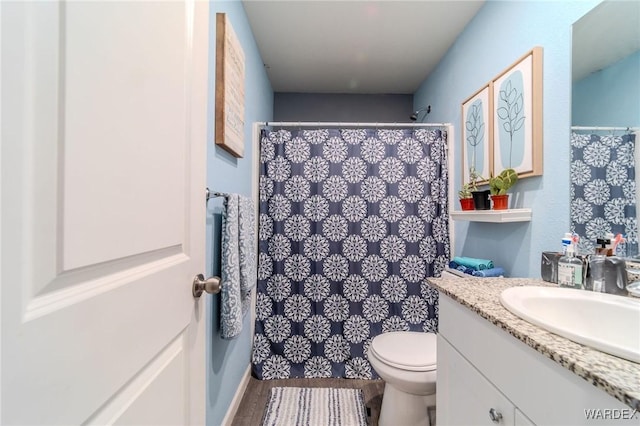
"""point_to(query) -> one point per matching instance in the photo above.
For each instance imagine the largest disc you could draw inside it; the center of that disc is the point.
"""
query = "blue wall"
(227, 360)
(342, 107)
(609, 97)
(500, 33)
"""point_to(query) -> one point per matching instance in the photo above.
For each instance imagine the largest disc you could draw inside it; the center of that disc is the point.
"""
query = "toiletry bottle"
(602, 246)
(610, 238)
(596, 269)
(566, 241)
(596, 274)
(570, 269)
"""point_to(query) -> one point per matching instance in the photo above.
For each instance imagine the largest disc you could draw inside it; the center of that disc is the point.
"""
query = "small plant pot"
(466, 203)
(500, 202)
(481, 200)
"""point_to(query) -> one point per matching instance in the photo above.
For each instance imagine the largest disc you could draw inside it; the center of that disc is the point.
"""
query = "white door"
(102, 212)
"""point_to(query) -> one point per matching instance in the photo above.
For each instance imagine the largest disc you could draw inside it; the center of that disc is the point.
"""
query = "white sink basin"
(605, 322)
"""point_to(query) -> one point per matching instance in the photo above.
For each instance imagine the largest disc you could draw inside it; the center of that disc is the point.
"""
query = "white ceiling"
(353, 46)
(608, 33)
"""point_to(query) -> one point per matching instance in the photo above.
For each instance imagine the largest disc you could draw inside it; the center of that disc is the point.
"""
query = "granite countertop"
(616, 376)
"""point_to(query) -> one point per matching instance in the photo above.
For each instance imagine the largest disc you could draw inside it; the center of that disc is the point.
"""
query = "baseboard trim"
(237, 398)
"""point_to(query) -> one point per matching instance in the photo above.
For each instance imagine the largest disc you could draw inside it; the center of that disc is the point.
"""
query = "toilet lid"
(407, 350)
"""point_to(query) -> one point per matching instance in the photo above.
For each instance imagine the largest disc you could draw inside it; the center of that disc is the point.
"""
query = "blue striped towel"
(461, 268)
(493, 272)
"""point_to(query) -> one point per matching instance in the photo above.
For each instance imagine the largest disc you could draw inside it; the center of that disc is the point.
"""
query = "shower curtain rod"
(337, 124)
(635, 129)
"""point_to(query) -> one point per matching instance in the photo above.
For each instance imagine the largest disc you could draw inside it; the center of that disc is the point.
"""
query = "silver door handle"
(210, 285)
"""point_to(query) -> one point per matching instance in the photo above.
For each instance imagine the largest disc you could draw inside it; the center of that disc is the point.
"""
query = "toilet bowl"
(406, 361)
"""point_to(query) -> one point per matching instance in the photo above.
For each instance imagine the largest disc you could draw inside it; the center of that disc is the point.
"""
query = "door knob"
(495, 415)
(210, 285)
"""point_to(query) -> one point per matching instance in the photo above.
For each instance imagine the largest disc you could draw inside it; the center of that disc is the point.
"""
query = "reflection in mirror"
(605, 124)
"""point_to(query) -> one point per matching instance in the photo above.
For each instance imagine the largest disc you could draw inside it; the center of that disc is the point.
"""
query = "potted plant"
(480, 198)
(466, 199)
(498, 185)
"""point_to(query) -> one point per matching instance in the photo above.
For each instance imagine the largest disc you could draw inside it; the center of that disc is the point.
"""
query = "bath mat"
(289, 406)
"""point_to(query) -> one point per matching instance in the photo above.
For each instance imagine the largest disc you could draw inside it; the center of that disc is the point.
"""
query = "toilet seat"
(406, 350)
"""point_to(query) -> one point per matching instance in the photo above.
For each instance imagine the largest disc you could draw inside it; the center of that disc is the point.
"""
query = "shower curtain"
(351, 223)
(603, 188)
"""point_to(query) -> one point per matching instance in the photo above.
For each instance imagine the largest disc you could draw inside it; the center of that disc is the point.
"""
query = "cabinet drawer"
(464, 396)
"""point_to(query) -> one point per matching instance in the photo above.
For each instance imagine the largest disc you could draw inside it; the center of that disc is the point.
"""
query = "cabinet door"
(466, 397)
(522, 420)
(104, 135)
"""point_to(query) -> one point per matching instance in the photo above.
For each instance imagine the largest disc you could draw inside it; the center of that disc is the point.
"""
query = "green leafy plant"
(470, 186)
(465, 192)
(498, 185)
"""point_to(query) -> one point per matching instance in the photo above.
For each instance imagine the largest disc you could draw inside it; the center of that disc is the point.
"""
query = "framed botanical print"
(517, 116)
(476, 136)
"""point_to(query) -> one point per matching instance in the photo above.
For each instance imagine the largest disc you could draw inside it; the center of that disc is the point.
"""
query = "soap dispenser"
(570, 269)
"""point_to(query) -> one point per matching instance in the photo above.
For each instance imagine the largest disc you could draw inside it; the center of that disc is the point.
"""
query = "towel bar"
(215, 194)
(210, 285)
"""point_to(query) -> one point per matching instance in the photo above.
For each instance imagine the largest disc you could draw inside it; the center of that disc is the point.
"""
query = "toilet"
(406, 361)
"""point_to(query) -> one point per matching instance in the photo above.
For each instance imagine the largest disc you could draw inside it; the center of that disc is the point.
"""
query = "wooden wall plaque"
(229, 108)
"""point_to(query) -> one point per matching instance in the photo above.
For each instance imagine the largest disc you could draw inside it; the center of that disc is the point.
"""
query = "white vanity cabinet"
(488, 377)
(466, 397)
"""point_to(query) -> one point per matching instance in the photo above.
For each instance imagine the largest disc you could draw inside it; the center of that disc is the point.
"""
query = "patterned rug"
(289, 406)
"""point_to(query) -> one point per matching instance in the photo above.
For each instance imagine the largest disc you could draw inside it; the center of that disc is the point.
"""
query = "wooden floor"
(255, 398)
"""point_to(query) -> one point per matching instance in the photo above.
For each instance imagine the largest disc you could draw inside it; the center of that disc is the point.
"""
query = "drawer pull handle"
(495, 415)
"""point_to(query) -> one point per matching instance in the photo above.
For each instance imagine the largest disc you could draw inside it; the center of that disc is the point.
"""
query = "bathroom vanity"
(495, 368)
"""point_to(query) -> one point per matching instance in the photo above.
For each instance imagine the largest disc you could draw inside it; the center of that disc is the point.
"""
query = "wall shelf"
(495, 216)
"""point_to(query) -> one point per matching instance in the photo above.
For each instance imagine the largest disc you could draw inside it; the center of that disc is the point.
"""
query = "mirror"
(605, 123)
(606, 66)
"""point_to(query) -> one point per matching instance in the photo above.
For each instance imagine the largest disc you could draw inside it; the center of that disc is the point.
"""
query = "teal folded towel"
(477, 264)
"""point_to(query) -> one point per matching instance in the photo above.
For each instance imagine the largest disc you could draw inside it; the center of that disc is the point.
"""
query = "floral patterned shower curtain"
(352, 221)
(603, 188)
